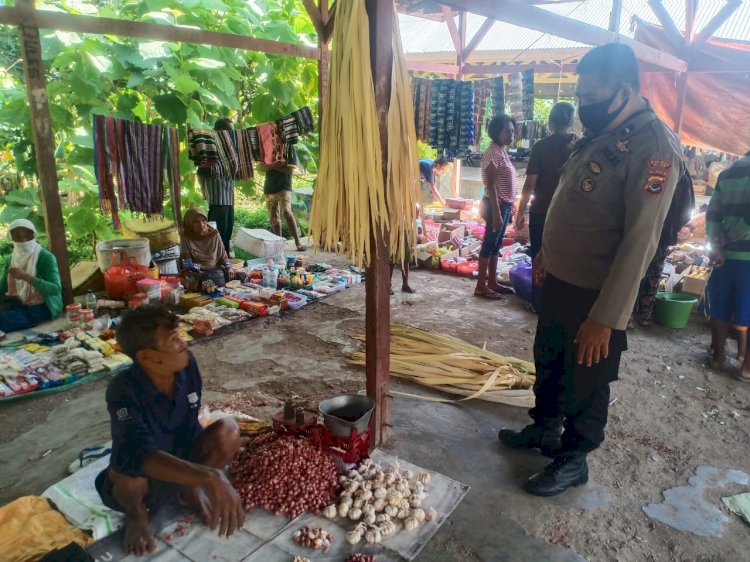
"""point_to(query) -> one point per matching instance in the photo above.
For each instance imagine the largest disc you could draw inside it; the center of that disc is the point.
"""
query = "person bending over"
(159, 450)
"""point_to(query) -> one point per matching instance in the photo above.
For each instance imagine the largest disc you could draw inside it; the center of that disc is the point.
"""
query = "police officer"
(602, 230)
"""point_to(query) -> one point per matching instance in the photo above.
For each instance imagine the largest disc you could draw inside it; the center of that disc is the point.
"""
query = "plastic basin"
(673, 309)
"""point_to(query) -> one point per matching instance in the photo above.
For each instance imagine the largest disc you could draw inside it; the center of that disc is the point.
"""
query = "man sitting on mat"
(159, 450)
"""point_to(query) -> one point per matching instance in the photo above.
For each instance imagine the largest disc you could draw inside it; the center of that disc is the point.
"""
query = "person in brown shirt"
(602, 229)
(542, 176)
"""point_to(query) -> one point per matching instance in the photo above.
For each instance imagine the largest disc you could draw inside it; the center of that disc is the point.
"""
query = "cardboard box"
(466, 251)
(451, 214)
(694, 285)
(448, 233)
(450, 256)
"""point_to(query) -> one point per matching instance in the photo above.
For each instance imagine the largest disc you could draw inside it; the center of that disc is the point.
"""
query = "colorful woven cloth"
(222, 154)
(304, 119)
(130, 156)
(451, 119)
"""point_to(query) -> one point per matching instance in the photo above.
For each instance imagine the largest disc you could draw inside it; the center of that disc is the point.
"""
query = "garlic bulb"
(415, 502)
(352, 487)
(343, 510)
(418, 487)
(371, 518)
(387, 528)
(382, 518)
(343, 479)
(373, 536)
(402, 514)
(353, 537)
(411, 524)
(355, 513)
(424, 478)
(394, 498)
(346, 500)
(330, 512)
(365, 495)
(431, 514)
(379, 476)
(401, 486)
(378, 504)
(368, 508)
(408, 474)
(418, 514)
(404, 504)
(380, 493)
(358, 503)
(389, 510)
(390, 478)
(407, 493)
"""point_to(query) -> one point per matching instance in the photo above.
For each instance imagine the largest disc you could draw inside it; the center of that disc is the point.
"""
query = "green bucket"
(673, 309)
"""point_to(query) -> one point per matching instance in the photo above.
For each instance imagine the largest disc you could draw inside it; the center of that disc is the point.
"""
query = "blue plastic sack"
(520, 279)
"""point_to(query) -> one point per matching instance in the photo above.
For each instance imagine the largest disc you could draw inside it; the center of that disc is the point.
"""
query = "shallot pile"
(360, 558)
(313, 538)
(284, 475)
(383, 500)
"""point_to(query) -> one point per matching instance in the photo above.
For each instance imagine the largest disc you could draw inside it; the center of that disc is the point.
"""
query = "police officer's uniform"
(602, 230)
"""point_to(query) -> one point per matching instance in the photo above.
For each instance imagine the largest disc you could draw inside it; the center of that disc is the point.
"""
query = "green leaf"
(216, 5)
(185, 85)
(14, 212)
(82, 222)
(136, 79)
(157, 5)
(153, 50)
(193, 119)
(171, 108)
(140, 111)
(27, 197)
(206, 63)
(222, 82)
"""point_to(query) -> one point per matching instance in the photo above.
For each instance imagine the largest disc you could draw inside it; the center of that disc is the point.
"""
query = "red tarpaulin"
(716, 113)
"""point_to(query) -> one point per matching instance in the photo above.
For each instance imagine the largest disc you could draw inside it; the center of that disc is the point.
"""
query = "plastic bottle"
(90, 301)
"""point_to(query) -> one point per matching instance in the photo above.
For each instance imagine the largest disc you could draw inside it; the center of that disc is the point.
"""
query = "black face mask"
(595, 117)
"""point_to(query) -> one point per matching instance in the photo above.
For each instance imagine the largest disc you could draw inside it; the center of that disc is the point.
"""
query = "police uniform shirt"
(144, 420)
(606, 216)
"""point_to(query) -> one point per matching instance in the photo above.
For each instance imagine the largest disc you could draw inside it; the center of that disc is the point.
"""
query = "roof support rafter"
(478, 36)
(670, 29)
(716, 22)
(528, 16)
(452, 29)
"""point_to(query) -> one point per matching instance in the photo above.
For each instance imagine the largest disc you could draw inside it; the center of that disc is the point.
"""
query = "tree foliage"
(177, 84)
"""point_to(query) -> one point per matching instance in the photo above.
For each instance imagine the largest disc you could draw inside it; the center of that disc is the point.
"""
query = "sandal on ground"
(742, 378)
(89, 455)
(490, 296)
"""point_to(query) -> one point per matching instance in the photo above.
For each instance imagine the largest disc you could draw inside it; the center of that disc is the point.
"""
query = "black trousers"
(224, 217)
(536, 233)
(576, 395)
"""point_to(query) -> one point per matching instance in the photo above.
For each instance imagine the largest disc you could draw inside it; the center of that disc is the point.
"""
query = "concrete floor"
(303, 353)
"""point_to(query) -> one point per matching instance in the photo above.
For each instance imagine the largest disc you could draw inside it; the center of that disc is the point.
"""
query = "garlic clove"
(410, 524)
(431, 514)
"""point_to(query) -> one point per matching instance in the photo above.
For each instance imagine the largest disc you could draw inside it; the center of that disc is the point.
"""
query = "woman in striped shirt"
(499, 178)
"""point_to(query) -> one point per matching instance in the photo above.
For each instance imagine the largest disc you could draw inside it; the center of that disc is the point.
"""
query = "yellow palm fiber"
(403, 161)
(451, 365)
(349, 201)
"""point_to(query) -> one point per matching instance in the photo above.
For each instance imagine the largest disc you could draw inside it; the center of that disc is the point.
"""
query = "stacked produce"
(360, 558)
(384, 501)
(451, 365)
(284, 475)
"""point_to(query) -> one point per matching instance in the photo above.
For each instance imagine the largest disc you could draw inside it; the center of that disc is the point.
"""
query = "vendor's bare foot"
(717, 361)
(301, 247)
(407, 289)
(139, 539)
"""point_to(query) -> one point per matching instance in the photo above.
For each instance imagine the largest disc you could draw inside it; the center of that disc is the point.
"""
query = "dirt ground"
(670, 415)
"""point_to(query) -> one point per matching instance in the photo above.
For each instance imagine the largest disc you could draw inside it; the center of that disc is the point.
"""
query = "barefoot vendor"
(159, 450)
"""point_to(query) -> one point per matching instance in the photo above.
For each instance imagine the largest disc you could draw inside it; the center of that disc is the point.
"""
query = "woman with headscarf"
(202, 248)
(30, 287)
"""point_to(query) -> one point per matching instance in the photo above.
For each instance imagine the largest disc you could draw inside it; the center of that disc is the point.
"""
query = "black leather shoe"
(569, 469)
(532, 437)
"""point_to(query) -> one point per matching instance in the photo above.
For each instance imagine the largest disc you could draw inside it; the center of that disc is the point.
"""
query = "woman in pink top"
(499, 178)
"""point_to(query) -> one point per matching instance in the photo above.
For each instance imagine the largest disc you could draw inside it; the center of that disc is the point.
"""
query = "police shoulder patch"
(655, 184)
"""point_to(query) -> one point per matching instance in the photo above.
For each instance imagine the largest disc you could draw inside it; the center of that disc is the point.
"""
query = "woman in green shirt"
(30, 287)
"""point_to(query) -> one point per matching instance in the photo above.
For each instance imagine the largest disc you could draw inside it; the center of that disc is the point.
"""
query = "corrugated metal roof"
(421, 36)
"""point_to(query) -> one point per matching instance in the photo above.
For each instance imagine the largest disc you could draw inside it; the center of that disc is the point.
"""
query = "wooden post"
(44, 141)
(462, 37)
(615, 16)
(378, 281)
(456, 178)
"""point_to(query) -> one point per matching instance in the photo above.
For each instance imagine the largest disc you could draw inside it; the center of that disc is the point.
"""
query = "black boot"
(532, 437)
(568, 469)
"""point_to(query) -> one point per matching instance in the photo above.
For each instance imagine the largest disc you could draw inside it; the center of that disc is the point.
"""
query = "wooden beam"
(44, 141)
(156, 32)
(378, 279)
(511, 68)
(681, 96)
(452, 29)
(331, 21)
(525, 15)
(462, 40)
(478, 36)
(317, 19)
(615, 16)
(324, 10)
(691, 8)
(432, 17)
(716, 22)
(426, 66)
(674, 35)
